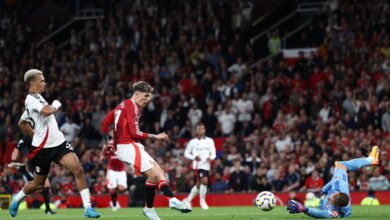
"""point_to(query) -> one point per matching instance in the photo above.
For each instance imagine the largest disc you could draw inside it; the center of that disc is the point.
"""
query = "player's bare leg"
(155, 175)
(71, 162)
(36, 184)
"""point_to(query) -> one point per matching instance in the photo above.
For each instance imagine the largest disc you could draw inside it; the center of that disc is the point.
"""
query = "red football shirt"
(113, 162)
(125, 118)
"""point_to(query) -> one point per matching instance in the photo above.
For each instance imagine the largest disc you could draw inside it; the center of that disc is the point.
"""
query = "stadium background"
(280, 117)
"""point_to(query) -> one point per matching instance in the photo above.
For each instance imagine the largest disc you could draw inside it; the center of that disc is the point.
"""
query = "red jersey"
(113, 162)
(125, 118)
(311, 183)
(99, 188)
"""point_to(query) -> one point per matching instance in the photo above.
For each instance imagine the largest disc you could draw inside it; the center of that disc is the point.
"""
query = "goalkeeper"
(336, 202)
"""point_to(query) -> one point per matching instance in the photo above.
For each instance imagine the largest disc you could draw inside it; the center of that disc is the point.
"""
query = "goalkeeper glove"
(294, 206)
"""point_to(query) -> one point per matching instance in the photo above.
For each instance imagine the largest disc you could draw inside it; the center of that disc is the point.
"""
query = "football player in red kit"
(127, 136)
(116, 175)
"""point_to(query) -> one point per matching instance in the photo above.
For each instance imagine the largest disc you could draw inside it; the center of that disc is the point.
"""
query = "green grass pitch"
(214, 213)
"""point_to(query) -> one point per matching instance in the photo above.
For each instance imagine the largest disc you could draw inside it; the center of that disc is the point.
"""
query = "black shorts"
(42, 160)
(202, 173)
(27, 172)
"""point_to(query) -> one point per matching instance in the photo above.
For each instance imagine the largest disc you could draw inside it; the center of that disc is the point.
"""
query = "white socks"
(193, 193)
(86, 197)
(20, 196)
(202, 192)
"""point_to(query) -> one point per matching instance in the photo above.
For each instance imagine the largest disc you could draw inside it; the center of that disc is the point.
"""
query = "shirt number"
(117, 115)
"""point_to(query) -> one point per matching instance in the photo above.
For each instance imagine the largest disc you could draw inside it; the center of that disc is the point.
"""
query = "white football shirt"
(204, 148)
(46, 130)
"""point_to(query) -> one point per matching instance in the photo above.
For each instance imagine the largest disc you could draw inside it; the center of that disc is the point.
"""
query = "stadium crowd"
(283, 126)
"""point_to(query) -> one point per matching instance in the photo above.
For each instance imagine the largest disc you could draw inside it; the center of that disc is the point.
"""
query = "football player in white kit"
(49, 145)
(201, 150)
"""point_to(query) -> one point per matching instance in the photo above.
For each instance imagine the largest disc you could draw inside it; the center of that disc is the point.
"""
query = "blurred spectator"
(278, 183)
(194, 115)
(292, 179)
(260, 183)
(227, 120)
(238, 180)
(252, 161)
(219, 185)
(378, 181)
(313, 183)
(70, 129)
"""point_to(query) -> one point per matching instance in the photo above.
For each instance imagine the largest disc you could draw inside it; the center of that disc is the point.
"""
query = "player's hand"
(15, 165)
(197, 158)
(294, 206)
(108, 148)
(162, 136)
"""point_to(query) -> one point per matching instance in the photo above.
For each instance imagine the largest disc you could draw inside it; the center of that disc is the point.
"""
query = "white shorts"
(115, 178)
(135, 156)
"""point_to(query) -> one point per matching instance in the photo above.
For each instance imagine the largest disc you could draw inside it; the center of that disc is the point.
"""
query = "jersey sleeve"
(317, 213)
(107, 121)
(212, 150)
(188, 151)
(327, 187)
(34, 104)
(135, 132)
(24, 116)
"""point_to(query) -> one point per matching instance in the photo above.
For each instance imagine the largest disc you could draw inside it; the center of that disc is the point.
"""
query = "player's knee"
(78, 172)
(121, 188)
(205, 181)
(38, 186)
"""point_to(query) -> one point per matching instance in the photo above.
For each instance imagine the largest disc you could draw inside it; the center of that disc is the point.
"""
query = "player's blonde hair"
(31, 75)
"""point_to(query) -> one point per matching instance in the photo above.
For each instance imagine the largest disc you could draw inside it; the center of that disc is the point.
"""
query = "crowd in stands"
(284, 126)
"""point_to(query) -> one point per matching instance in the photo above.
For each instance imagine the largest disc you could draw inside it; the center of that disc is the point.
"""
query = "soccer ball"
(265, 200)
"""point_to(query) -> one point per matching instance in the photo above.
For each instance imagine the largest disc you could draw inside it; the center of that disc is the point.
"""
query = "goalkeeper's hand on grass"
(294, 206)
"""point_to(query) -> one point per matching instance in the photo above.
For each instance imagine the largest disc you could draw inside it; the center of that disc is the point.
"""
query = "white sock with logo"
(86, 197)
(20, 196)
(193, 193)
(202, 192)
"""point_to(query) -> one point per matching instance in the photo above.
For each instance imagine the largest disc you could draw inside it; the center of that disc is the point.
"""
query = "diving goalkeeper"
(336, 201)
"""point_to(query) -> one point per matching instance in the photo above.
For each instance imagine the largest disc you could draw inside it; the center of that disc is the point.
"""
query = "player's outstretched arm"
(51, 109)
(294, 206)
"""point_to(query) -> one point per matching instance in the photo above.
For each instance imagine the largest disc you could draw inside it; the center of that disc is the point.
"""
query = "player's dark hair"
(142, 86)
(199, 124)
(341, 199)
